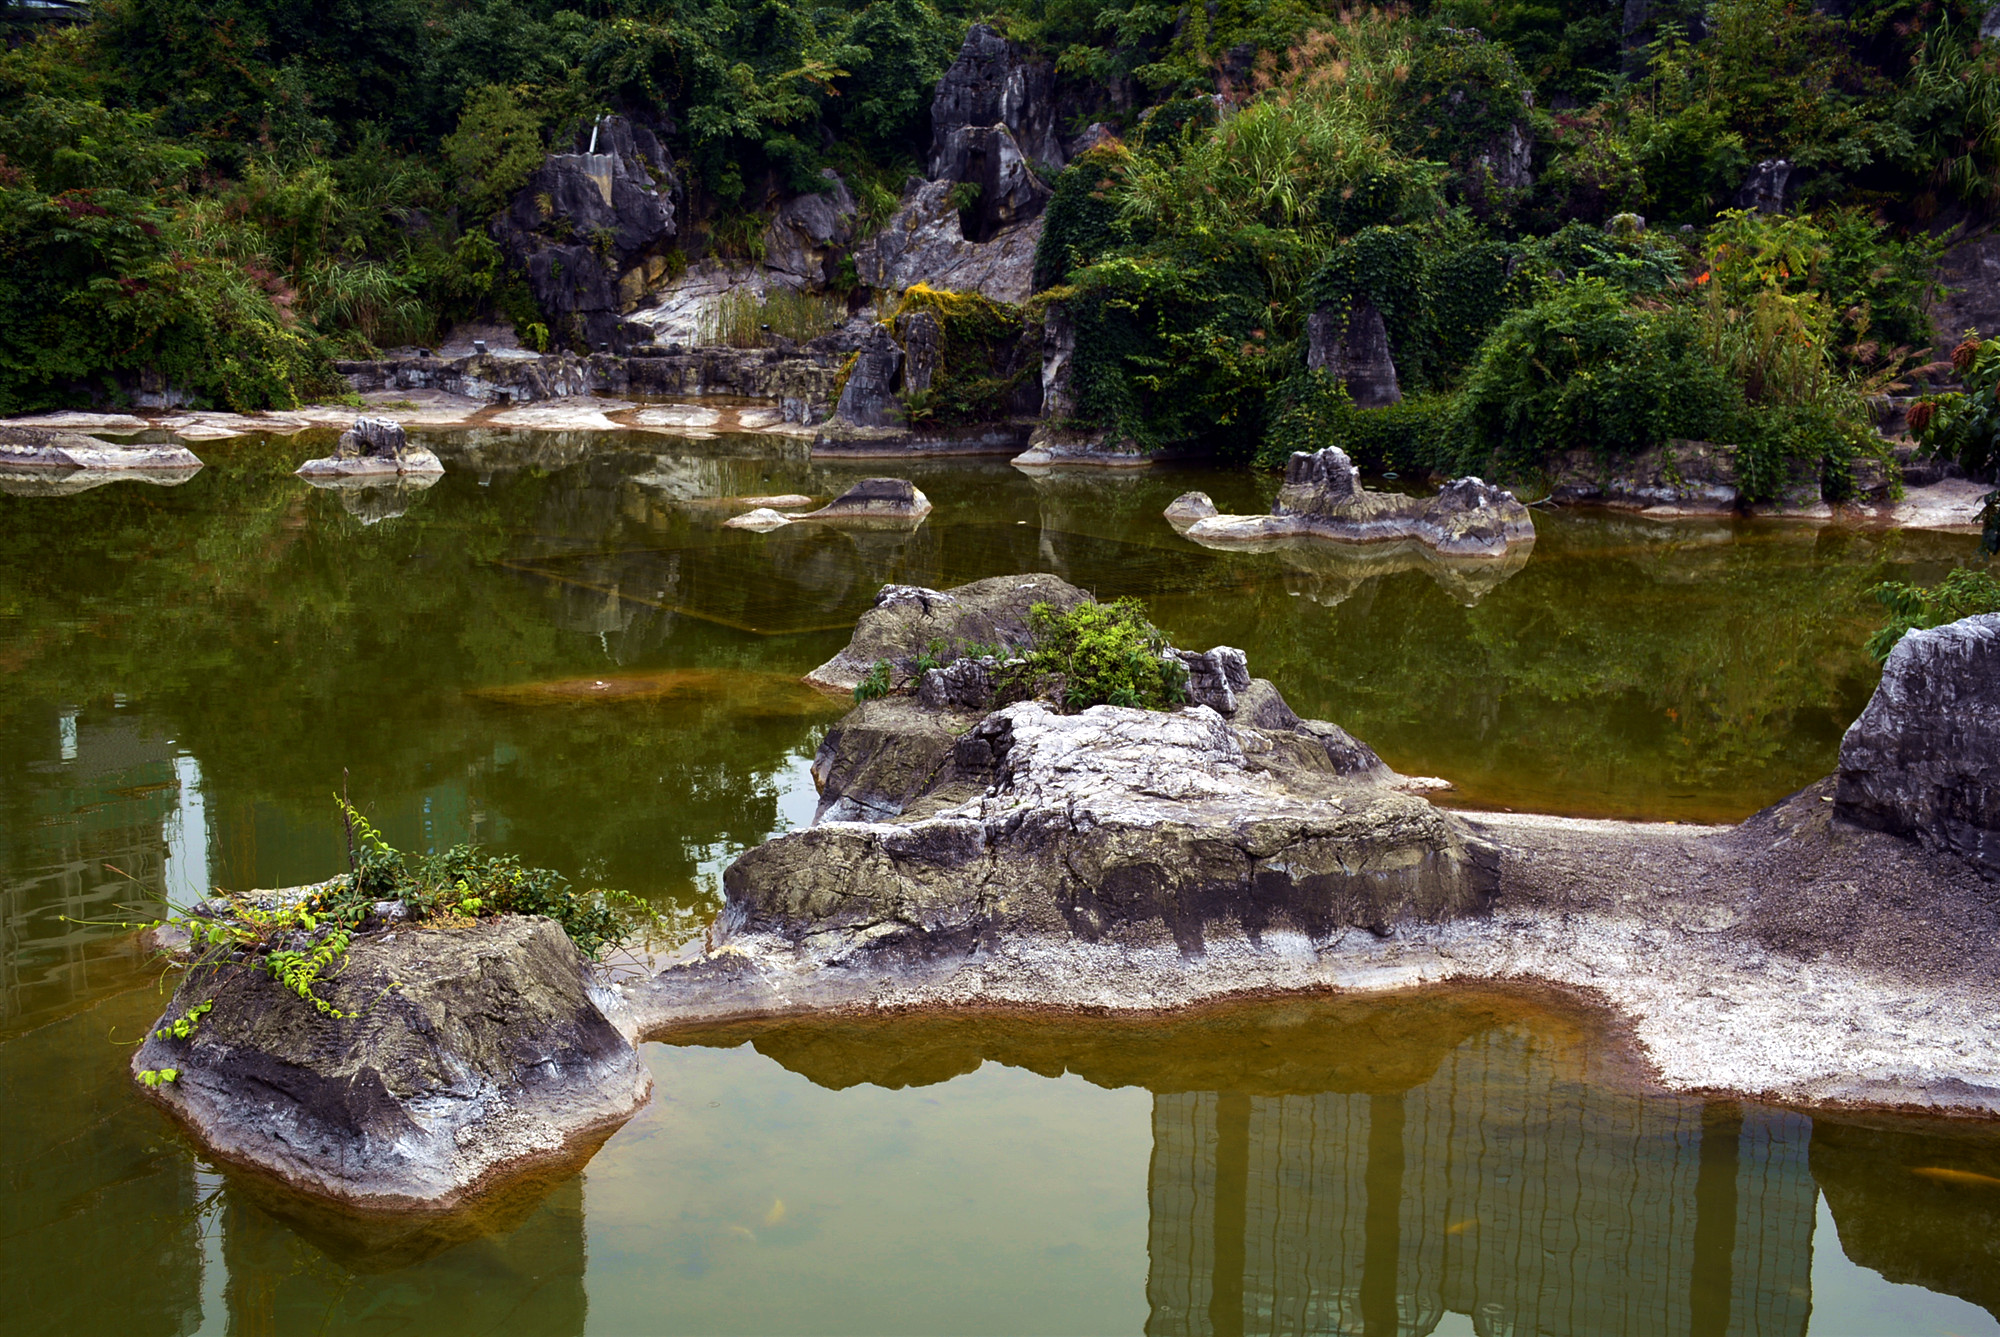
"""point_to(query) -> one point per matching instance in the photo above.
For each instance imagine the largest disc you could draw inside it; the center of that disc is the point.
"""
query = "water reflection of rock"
(294, 1275)
(373, 500)
(1330, 573)
(1921, 1206)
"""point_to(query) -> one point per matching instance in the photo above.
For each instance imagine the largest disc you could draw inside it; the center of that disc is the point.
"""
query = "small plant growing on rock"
(873, 683)
(1105, 654)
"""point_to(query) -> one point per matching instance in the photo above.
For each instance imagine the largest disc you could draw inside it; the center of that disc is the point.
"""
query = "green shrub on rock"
(1105, 654)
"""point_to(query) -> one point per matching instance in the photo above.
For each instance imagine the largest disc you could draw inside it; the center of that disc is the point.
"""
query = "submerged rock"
(1923, 760)
(1323, 498)
(373, 447)
(461, 1055)
(907, 618)
(891, 501)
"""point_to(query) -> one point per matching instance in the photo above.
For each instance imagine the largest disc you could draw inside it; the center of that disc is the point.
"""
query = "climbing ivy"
(982, 362)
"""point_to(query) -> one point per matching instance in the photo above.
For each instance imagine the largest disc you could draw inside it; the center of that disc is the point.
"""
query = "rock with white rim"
(373, 448)
(49, 450)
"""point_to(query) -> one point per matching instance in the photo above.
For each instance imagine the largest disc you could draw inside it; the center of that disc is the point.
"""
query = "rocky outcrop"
(995, 83)
(591, 230)
(906, 619)
(51, 455)
(997, 186)
(1354, 349)
(1692, 478)
(373, 448)
(869, 397)
(1923, 760)
(458, 1055)
(1145, 828)
(808, 235)
(1323, 498)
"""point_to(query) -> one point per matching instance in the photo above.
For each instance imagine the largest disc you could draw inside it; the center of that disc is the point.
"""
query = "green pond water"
(557, 650)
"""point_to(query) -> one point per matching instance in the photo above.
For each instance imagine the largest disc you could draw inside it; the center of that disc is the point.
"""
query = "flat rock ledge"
(474, 1053)
(969, 853)
(54, 452)
(1323, 498)
(907, 618)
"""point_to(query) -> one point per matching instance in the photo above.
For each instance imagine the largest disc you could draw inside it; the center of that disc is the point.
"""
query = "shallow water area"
(558, 650)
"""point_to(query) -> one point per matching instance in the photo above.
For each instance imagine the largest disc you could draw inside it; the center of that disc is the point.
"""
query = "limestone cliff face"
(590, 230)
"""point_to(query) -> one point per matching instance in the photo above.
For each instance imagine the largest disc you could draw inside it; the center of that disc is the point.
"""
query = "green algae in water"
(190, 669)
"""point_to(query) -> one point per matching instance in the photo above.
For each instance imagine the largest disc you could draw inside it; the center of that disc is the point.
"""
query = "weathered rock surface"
(872, 501)
(1353, 347)
(924, 241)
(591, 230)
(1679, 477)
(1323, 498)
(907, 618)
(53, 455)
(808, 234)
(1923, 760)
(373, 448)
(975, 852)
(1140, 826)
(1968, 292)
(869, 397)
(471, 1053)
(994, 82)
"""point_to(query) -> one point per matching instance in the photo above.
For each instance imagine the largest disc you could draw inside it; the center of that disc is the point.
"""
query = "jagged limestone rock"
(1354, 349)
(994, 82)
(591, 230)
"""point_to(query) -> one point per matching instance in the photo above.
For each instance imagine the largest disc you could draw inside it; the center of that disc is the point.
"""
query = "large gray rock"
(1967, 298)
(1323, 498)
(1923, 760)
(1148, 828)
(373, 448)
(1678, 477)
(907, 618)
(1354, 349)
(470, 1053)
(994, 82)
(591, 230)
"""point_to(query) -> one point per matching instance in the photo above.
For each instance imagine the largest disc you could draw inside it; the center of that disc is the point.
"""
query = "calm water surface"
(558, 651)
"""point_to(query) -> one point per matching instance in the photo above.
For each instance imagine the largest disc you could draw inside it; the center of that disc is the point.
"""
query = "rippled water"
(557, 650)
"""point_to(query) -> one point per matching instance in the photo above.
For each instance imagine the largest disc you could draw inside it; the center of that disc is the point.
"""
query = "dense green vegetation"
(227, 194)
(1963, 593)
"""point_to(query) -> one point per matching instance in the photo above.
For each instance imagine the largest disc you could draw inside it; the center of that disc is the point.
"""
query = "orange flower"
(1701, 277)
